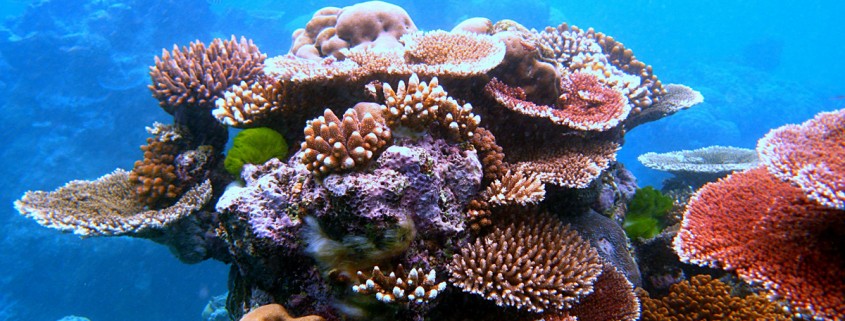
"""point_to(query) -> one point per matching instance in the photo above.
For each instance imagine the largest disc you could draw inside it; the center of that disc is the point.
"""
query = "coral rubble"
(436, 168)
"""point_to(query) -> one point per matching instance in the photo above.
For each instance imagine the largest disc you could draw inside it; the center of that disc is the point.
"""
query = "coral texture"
(703, 298)
(535, 264)
(768, 231)
(516, 188)
(612, 300)
(811, 156)
(197, 75)
(155, 178)
(716, 161)
(106, 206)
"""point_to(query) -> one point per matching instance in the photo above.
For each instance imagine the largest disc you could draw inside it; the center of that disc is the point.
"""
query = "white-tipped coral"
(417, 287)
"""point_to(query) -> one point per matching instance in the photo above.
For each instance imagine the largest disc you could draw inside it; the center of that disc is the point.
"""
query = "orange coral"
(576, 163)
(703, 298)
(197, 75)
(489, 153)
(155, 176)
(768, 231)
(414, 286)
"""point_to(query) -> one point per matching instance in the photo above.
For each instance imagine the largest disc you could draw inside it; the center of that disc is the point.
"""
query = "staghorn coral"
(418, 105)
(276, 312)
(535, 264)
(756, 225)
(154, 177)
(197, 75)
(704, 298)
(810, 155)
(612, 300)
(415, 286)
(516, 189)
(106, 206)
(335, 145)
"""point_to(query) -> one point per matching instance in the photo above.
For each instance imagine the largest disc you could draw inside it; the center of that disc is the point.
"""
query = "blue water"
(73, 79)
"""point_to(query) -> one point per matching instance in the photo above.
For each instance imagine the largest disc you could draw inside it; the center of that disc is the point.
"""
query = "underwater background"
(73, 77)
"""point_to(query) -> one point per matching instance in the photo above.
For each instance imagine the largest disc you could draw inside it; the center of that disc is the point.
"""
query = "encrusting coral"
(276, 312)
(426, 149)
(704, 298)
(534, 263)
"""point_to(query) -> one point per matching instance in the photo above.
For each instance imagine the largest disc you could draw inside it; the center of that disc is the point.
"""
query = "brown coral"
(155, 178)
(489, 153)
(197, 75)
(535, 264)
(276, 312)
(703, 298)
(452, 53)
(575, 163)
(676, 98)
(106, 206)
(335, 145)
(515, 188)
(415, 286)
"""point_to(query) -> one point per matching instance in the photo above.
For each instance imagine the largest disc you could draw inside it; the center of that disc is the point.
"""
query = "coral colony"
(453, 175)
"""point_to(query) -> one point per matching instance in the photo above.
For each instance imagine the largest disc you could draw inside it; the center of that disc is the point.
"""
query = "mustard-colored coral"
(155, 176)
(335, 145)
(106, 206)
(703, 298)
(535, 264)
(414, 286)
(276, 312)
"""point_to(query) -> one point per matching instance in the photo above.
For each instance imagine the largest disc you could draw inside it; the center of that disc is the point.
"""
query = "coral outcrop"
(472, 157)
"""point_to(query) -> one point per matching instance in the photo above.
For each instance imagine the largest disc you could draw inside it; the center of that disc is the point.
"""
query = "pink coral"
(768, 231)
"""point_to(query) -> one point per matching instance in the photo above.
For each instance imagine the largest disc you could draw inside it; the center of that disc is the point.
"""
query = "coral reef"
(704, 298)
(644, 218)
(473, 156)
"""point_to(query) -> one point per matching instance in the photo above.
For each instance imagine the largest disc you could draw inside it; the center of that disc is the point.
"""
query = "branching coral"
(333, 145)
(415, 286)
(535, 264)
(106, 206)
(197, 75)
(418, 105)
(575, 164)
(155, 178)
(703, 298)
(516, 189)
(811, 156)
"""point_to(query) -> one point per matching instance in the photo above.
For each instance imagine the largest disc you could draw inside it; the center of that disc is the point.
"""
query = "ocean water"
(73, 77)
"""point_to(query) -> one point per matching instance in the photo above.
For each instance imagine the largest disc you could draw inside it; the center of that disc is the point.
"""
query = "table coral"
(106, 206)
(810, 155)
(701, 165)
